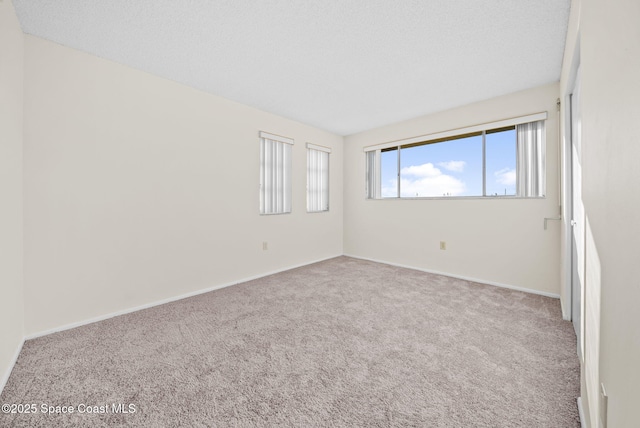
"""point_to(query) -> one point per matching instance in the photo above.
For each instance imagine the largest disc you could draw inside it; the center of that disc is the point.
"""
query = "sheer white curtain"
(275, 174)
(373, 174)
(530, 159)
(317, 178)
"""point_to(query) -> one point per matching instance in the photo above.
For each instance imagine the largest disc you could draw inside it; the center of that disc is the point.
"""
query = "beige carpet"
(343, 342)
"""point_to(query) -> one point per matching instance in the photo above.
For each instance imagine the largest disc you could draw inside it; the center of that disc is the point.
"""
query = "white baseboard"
(466, 278)
(219, 286)
(5, 376)
(167, 300)
(581, 413)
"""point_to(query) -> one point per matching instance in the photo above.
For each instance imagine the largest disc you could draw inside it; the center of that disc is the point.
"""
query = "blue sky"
(452, 168)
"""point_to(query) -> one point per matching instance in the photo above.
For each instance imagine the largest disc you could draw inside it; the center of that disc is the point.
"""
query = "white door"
(577, 219)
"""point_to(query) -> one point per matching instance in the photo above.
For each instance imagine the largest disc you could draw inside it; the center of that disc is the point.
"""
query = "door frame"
(577, 230)
(567, 190)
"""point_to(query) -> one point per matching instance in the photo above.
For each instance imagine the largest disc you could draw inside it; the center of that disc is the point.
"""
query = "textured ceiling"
(341, 65)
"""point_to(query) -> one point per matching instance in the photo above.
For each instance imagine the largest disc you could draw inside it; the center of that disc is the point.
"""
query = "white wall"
(610, 65)
(139, 189)
(11, 103)
(494, 240)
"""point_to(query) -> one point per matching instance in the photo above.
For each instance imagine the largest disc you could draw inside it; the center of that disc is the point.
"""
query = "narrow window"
(275, 174)
(317, 178)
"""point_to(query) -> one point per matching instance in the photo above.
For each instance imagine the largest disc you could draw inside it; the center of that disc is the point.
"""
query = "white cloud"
(506, 176)
(453, 166)
(424, 180)
(424, 170)
(432, 186)
(390, 189)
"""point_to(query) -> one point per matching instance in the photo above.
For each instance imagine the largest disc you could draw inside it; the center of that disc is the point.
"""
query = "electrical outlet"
(264, 246)
(443, 245)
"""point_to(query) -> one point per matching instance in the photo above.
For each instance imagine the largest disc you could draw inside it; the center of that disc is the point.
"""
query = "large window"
(317, 178)
(275, 174)
(495, 160)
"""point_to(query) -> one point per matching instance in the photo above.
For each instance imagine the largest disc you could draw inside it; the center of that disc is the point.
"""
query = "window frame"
(373, 157)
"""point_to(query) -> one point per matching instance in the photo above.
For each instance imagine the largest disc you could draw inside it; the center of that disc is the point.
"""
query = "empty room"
(319, 214)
